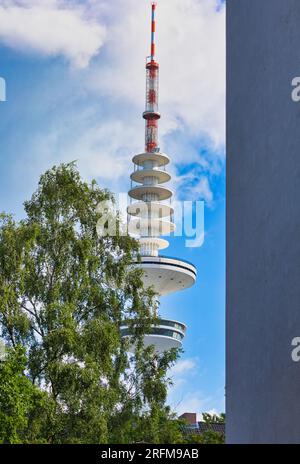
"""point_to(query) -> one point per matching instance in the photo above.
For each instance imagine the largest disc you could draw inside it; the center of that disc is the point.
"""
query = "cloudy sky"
(75, 77)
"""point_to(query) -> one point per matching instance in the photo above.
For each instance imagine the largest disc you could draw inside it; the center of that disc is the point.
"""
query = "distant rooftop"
(199, 427)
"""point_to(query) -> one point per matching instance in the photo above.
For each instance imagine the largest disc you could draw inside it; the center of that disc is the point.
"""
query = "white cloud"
(181, 372)
(193, 186)
(102, 150)
(202, 189)
(101, 154)
(185, 396)
(182, 366)
(51, 27)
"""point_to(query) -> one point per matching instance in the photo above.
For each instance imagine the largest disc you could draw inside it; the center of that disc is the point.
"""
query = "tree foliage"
(64, 293)
(22, 404)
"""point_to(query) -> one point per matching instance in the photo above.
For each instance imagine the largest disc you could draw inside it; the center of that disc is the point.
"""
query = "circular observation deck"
(160, 159)
(166, 334)
(140, 175)
(161, 193)
(167, 275)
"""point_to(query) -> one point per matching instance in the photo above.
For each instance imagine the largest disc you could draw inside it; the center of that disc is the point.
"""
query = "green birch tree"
(64, 292)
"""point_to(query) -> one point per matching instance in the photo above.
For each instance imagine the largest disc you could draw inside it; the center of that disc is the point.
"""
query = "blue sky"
(75, 91)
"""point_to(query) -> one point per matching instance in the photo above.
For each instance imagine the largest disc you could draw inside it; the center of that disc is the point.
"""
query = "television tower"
(151, 215)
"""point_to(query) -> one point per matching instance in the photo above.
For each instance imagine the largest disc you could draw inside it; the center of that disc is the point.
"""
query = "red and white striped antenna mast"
(151, 113)
(153, 30)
